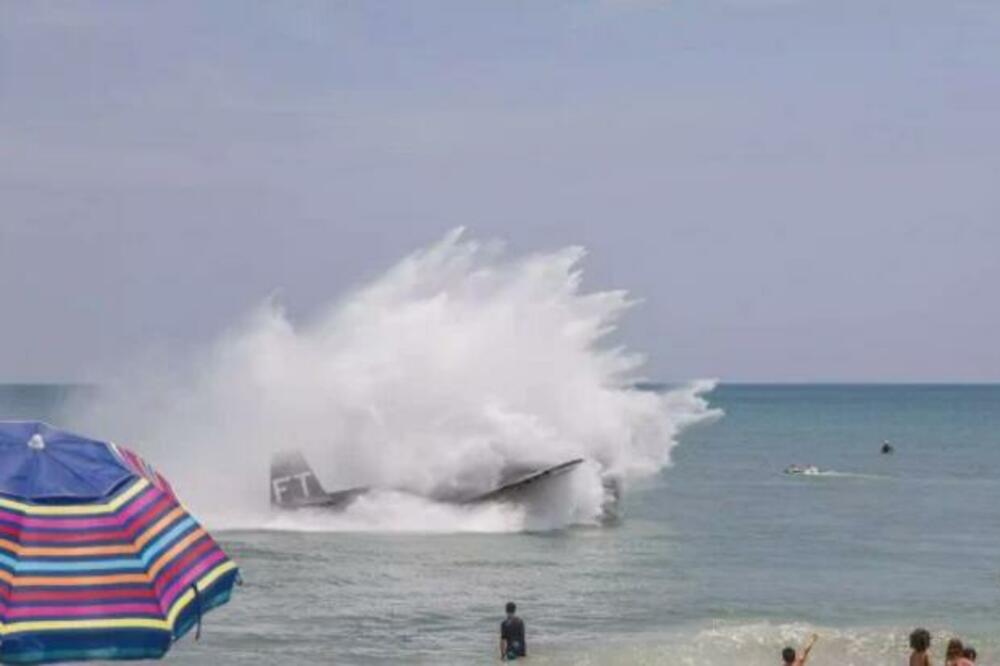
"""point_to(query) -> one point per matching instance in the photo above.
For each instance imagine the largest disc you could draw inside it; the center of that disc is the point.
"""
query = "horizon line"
(645, 383)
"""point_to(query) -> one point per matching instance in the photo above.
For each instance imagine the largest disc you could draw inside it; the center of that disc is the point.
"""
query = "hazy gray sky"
(797, 189)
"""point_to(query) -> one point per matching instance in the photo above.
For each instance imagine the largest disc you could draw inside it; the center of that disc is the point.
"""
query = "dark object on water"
(887, 448)
(294, 485)
(522, 482)
(512, 642)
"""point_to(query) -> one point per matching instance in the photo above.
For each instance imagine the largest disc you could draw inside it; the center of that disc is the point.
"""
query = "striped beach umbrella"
(98, 558)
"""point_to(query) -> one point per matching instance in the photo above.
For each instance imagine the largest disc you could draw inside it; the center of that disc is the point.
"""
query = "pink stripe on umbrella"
(99, 610)
(181, 585)
(134, 507)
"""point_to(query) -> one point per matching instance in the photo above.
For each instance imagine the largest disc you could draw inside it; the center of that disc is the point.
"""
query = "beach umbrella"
(98, 558)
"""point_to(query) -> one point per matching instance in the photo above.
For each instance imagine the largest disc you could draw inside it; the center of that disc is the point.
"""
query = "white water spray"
(455, 363)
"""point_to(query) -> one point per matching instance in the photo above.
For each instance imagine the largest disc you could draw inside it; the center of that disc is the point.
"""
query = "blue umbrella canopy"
(43, 464)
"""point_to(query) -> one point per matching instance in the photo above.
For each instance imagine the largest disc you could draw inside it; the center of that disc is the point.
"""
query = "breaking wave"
(756, 644)
(455, 363)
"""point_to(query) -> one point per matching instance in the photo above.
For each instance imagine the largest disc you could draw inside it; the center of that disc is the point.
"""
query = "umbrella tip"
(36, 442)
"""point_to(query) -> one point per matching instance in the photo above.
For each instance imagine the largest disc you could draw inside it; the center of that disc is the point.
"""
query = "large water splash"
(457, 362)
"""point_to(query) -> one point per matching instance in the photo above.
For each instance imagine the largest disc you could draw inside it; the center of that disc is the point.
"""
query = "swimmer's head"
(788, 655)
(920, 640)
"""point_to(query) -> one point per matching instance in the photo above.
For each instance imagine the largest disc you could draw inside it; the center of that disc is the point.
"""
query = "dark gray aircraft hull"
(294, 485)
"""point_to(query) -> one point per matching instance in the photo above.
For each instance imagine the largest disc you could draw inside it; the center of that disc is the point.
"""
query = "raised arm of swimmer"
(807, 649)
(791, 658)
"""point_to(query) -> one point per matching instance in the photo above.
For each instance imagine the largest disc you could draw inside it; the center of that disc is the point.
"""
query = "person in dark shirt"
(512, 643)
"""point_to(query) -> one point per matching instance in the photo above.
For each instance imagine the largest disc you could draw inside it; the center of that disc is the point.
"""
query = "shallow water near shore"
(720, 559)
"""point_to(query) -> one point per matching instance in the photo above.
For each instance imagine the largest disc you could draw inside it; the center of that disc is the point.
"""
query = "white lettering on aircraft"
(280, 485)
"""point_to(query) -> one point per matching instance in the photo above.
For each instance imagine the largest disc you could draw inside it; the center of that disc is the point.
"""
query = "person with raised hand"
(791, 658)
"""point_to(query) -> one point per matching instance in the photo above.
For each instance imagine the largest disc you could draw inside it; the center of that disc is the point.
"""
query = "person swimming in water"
(886, 447)
(791, 658)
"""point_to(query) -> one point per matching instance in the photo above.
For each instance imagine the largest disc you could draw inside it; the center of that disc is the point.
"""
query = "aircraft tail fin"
(293, 482)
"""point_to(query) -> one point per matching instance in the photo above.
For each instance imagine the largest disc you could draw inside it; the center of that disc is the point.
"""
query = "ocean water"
(719, 559)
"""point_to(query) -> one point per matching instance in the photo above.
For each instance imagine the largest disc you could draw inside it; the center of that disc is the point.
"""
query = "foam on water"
(455, 363)
(402, 512)
(759, 644)
(834, 474)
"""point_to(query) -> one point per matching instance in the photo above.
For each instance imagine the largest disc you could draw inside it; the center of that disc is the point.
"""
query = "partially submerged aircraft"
(294, 485)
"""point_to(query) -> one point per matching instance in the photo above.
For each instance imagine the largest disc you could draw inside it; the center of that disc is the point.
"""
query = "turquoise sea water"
(721, 559)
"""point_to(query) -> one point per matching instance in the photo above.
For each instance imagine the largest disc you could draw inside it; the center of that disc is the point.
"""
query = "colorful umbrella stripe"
(119, 578)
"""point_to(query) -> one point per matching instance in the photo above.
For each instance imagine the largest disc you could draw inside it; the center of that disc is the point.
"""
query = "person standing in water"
(920, 643)
(955, 654)
(790, 658)
(512, 644)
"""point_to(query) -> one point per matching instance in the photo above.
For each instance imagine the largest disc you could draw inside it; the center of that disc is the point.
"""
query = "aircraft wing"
(523, 482)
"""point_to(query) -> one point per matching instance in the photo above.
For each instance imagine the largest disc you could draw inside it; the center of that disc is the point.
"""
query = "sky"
(797, 190)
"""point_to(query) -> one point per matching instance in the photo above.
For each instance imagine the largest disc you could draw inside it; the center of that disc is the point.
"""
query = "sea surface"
(720, 559)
